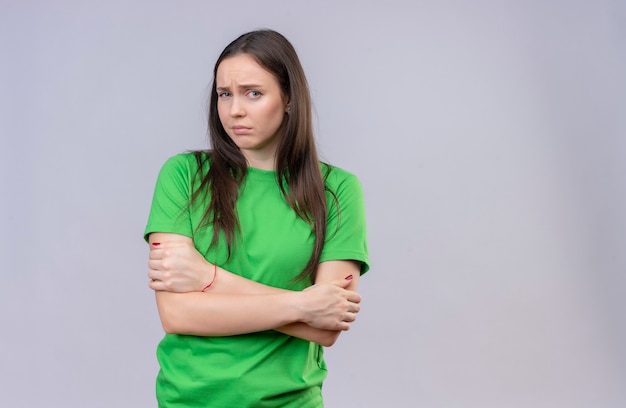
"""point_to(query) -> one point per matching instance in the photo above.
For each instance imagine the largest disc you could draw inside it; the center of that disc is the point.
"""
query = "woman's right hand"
(330, 306)
(175, 264)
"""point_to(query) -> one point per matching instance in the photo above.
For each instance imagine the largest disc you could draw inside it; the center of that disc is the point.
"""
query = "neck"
(260, 161)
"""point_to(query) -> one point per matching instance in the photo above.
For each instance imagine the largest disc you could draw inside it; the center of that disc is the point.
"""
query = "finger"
(343, 283)
(354, 308)
(156, 285)
(349, 317)
(353, 297)
(155, 274)
(155, 254)
(155, 264)
(169, 244)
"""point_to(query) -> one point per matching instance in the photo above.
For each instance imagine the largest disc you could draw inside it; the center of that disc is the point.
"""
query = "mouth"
(240, 130)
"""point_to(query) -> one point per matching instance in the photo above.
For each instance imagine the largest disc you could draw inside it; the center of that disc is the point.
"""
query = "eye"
(254, 94)
(223, 94)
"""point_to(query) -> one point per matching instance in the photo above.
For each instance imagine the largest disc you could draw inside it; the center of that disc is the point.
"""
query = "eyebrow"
(242, 86)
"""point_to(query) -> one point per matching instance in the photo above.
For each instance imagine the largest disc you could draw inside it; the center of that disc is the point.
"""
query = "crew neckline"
(261, 175)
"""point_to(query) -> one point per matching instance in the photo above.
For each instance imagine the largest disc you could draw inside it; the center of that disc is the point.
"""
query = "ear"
(287, 103)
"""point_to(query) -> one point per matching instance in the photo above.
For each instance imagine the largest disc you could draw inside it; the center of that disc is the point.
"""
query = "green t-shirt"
(268, 368)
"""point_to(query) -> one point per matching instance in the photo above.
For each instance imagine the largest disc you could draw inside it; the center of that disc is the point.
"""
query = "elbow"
(326, 343)
(174, 322)
(172, 313)
(329, 338)
(168, 327)
(171, 326)
(169, 321)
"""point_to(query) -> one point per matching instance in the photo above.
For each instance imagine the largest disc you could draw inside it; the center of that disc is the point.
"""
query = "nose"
(236, 107)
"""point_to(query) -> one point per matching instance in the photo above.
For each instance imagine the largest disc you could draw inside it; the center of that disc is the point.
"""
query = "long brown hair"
(297, 165)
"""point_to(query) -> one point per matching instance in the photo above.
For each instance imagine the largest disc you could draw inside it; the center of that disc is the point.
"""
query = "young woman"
(256, 247)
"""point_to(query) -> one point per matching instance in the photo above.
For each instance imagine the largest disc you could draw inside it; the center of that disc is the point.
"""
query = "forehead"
(242, 69)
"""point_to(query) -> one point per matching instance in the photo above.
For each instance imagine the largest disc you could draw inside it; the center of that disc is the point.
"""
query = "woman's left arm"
(328, 271)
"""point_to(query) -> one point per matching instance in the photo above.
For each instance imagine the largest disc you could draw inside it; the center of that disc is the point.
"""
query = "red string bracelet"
(212, 280)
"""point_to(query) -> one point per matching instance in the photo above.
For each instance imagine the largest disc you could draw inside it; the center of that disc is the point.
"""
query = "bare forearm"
(303, 331)
(231, 283)
(202, 314)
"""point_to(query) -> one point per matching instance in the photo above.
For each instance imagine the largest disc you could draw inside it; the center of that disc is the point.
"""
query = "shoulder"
(186, 163)
(335, 177)
(186, 160)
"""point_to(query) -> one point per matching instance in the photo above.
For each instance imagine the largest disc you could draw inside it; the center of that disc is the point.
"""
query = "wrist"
(299, 308)
(204, 277)
(208, 285)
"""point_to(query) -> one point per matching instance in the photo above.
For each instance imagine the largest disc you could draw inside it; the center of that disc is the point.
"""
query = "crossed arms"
(236, 305)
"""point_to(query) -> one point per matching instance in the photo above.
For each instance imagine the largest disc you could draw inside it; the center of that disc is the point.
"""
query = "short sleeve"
(346, 235)
(170, 210)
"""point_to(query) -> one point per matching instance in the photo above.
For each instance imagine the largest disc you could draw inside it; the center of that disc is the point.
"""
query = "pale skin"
(251, 108)
(235, 305)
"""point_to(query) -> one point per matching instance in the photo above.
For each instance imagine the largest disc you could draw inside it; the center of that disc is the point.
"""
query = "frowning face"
(251, 107)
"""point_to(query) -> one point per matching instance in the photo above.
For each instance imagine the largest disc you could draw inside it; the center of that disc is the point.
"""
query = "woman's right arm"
(214, 314)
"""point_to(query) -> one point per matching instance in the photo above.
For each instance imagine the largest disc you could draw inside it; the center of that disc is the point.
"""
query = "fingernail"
(156, 243)
(349, 277)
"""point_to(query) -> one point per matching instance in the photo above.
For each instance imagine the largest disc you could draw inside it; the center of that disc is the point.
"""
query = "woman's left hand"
(176, 266)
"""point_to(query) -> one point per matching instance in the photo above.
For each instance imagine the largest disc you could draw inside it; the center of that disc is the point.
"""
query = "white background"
(490, 137)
